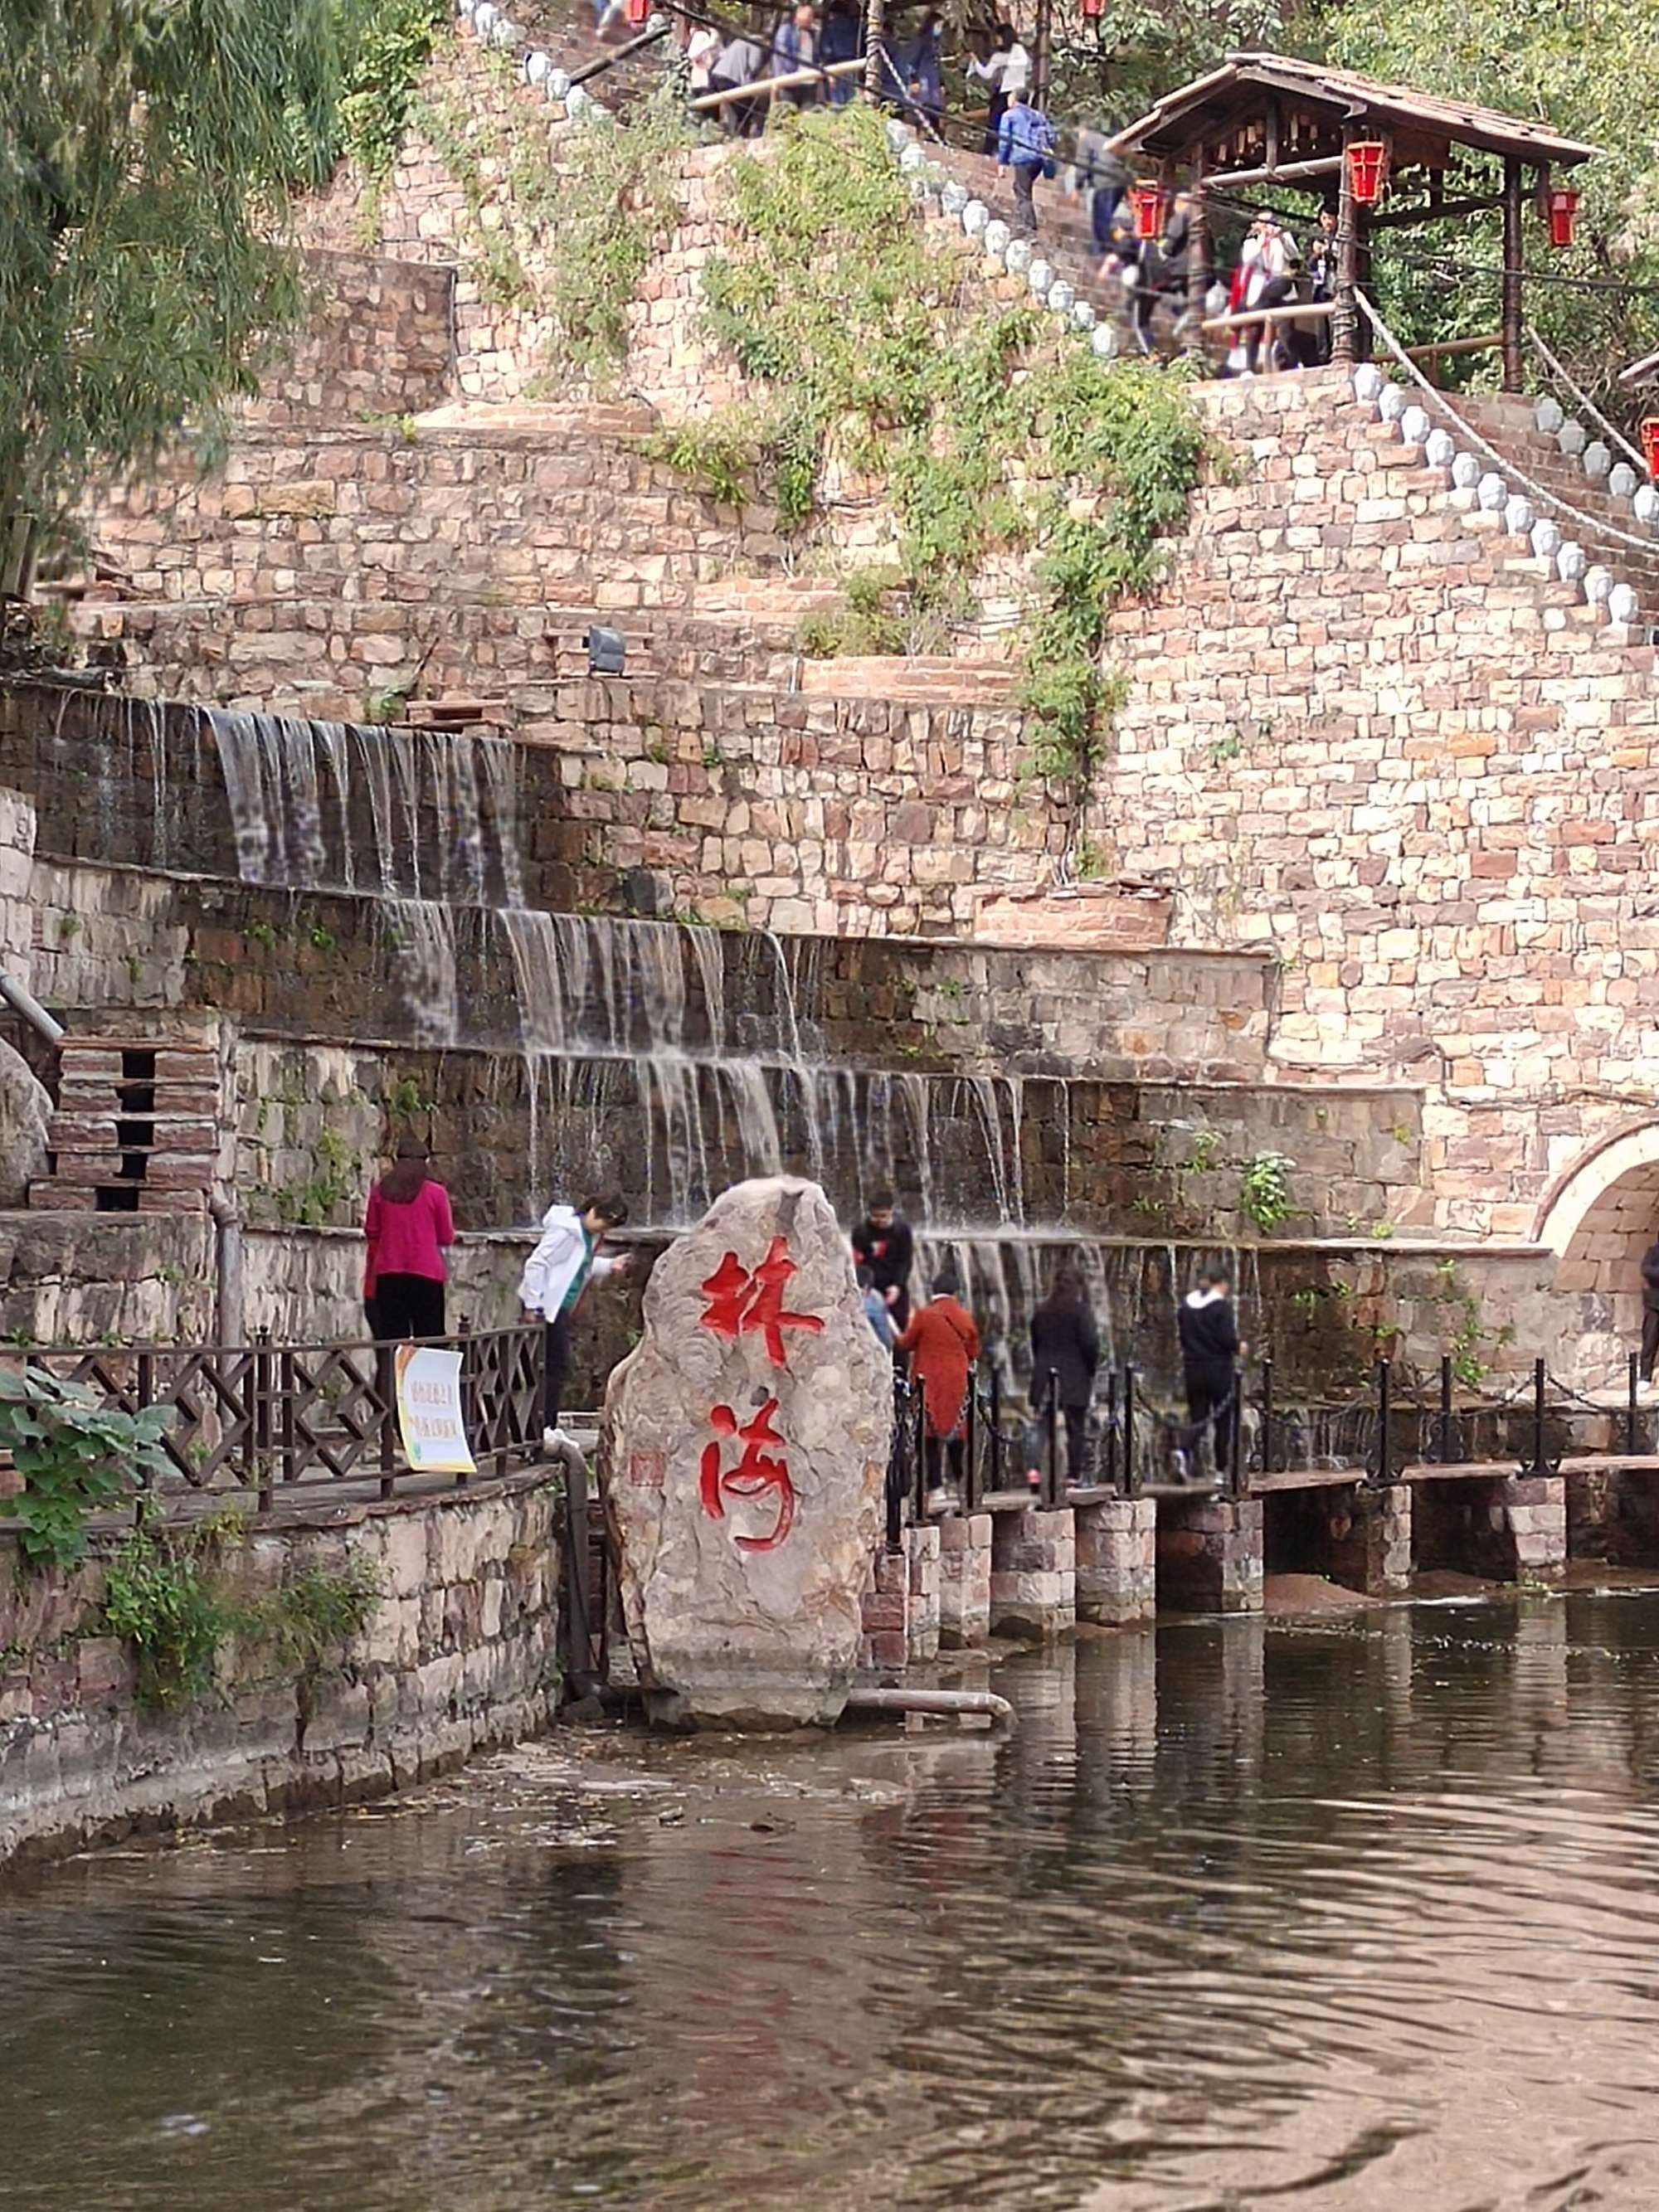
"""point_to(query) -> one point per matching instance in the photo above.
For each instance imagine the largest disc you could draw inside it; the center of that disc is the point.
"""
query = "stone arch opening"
(1598, 1221)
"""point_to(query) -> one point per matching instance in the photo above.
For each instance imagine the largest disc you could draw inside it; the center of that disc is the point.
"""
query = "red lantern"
(1563, 208)
(1368, 170)
(1093, 9)
(638, 12)
(1649, 434)
(1148, 200)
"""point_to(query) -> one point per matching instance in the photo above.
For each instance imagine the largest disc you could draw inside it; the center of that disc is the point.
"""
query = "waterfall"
(423, 933)
(338, 807)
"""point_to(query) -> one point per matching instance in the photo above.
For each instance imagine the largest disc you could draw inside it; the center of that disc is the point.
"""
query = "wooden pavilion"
(1269, 118)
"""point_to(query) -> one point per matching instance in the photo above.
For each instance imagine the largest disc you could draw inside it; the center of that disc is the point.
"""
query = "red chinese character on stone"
(753, 1474)
(740, 1305)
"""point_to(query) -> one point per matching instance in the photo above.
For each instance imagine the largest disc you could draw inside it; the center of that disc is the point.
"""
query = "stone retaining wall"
(460, 1655)
(379, 342)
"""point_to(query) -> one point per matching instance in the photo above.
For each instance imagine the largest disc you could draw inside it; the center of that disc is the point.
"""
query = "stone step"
(931, 681)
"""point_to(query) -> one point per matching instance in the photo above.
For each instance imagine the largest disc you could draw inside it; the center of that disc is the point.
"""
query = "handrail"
(1606, 428)
(788, 83)
(589, 70)
(1500, 461)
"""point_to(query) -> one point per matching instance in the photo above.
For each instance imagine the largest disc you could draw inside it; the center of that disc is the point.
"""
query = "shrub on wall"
(857, 330)
(76, 1456)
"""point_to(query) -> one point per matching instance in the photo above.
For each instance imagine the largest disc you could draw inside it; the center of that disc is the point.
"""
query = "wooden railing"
(266, 1420)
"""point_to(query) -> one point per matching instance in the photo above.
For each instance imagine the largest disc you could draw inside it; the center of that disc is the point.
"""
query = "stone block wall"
(1366, 728)
(1210, 1557)
(884, 1641)
(924, 1627)
(459, 1653)
(379, 342)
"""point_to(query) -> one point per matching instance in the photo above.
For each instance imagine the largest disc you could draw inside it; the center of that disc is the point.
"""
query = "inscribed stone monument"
(745, 1450)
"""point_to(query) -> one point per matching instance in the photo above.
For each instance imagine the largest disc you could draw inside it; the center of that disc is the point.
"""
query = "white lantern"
(997, 235)
(504, 33)
(1545, 538)
(485, 19)
(1441, 451)
(536, 65)
(1597, 460)
(1570, 563)
(1491, 491)
(1645, 505)
(953, 197)
(1082, 314)
(1570, 439)
(1466, 471)
(1547, 417)
(1367, 379)
(1414, 426)
(1039, 277)
(1391, 403)
(898, 134)
(557, 86)
(975, 217)
(1598, 583)
(1102, 341)
(1018, 257)
(1622, 480)
(1518, 517)
(911, 160)
(1061, 297)
(577, 102)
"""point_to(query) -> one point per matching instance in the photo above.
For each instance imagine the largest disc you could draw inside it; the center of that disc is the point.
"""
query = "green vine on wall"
(391, 48)
(171, 1594)
(569, 241)
(873, 353)
(76, 1456)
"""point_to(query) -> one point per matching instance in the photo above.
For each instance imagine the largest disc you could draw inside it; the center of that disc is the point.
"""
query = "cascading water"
(671, 1060)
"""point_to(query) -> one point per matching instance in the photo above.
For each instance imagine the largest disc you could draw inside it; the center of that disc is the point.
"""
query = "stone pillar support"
(965, 1581)
(1210, 1554)
(1034, 1573)
(922, 1629)
(1370, 1537)
(1529, 1513)
(1116, 1560)
(885, 1640)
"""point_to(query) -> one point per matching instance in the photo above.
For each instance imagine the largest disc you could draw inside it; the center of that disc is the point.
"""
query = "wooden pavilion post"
(1514, 235)
(875, 40)
(1345, 318)
(1198, 252)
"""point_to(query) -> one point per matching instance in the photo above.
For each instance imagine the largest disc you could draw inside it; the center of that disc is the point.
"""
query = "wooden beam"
(1305, 311)
(1327, 165)
(707, 100)
(1446, 347)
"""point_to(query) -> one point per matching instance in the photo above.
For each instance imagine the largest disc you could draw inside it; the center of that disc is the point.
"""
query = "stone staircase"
(1589, 512)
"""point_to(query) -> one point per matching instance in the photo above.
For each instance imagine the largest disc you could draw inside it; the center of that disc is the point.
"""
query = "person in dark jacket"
(883, 1243)
(1065, 1344)
(1209, 1351)
(1650, 1310)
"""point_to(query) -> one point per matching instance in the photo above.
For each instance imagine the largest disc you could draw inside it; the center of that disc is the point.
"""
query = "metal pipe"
(1327, 165)
(590, 70)
(1445, 1409)
(788, 83)
(228, 1303)
(1109, 1472)
(1382, 1473)
(22, 1001)
(962, 1702)
(1305, 310)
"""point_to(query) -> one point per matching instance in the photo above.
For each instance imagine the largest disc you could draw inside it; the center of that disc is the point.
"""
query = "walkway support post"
(1344, 320)
(1382, 1472)
(1514, 253)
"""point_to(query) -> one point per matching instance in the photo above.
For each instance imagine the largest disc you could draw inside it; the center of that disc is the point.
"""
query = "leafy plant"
(391, 46)
(1264, 1191)
(163, 1598)
(835, 303)
(76, 1455)
(171, 1595)
(1205, 1146)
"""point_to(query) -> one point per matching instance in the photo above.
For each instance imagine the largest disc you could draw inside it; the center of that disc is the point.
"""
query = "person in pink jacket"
(409, 1228)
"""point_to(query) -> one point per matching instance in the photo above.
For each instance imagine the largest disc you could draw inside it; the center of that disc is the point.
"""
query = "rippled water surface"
(1361, 1913)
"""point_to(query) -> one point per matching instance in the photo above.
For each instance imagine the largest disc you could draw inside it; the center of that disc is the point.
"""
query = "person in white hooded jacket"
(558, 1272)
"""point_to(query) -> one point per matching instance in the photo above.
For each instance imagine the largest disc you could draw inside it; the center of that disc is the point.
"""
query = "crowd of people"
(409, 1227)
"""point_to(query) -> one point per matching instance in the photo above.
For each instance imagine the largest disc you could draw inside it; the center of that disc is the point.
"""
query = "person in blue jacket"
(1026, 148)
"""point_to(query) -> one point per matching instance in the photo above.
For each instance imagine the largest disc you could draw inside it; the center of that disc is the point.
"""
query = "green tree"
(1592, 73)
(149, 154)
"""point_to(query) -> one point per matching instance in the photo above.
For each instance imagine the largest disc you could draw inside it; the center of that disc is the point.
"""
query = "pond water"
(1354, 1913)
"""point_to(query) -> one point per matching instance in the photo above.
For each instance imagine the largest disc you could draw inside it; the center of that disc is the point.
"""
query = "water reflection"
(1361, 1912)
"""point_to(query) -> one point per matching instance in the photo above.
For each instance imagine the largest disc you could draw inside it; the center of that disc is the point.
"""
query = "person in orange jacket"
(943, 1343)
